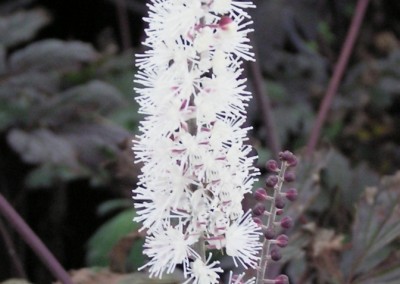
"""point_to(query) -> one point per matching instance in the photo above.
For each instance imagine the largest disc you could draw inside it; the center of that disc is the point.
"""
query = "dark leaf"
(84, 102)
(95, 143)
(389, 274)
(376, 225)
(351, 181)
(52, 54)
(45, 84)
(21, 26)
(42, 146)
(94, 95)
(295, 118)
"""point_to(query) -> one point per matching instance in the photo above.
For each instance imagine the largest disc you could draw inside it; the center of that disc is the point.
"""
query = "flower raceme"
(196, 167)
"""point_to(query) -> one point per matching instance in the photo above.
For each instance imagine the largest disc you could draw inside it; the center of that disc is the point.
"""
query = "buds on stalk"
(270, 209)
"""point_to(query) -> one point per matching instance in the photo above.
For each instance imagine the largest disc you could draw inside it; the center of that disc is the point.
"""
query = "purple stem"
(337, 74)
(33, 241)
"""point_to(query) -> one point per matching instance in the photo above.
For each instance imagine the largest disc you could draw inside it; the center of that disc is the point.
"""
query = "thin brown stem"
(12, 252)
(123, 20)
(340, 67)
(16, 221)
(264, 104)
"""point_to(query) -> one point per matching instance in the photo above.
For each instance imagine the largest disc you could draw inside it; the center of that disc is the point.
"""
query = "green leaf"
(105, 238)
(49, 174)
(111, 205)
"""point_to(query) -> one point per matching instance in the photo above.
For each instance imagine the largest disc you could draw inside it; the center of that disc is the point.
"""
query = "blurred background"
(68, 115)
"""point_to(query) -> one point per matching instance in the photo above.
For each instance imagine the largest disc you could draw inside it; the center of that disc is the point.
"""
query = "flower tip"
(224, 22)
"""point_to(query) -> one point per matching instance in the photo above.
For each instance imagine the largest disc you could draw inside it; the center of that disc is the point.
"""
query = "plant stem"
(264, 104)
(337, 74)
(33, 241)
(123, 21)
(16, 261)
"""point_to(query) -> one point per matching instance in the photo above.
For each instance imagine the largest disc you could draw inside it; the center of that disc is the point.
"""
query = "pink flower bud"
(279, 202)
(289, 177)
(258, 221)
(286, 222)
(271, 181)
(260, 194)
(272, 165)
(281, 279)
(291, 194)
(269, 234)
(259, 209)
(282, 241)
(224, 22)
(275, 254)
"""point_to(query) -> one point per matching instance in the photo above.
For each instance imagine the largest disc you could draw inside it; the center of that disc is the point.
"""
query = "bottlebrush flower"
(204, 273)
(242, 241)
(196, 167)
(167, 247)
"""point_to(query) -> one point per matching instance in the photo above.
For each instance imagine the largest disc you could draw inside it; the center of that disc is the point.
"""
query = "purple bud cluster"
(270, 205)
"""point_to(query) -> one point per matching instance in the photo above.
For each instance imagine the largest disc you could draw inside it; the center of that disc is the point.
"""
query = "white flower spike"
(196, 166)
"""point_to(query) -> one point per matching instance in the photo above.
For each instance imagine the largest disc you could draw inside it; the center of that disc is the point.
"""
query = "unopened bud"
(279, 202)
(289, 177)
(281, 279)
(291, 194)
(271, 181)
(258, 221)
(259, 209)
(269, 233)
(285, 156)
(275, 254)
(282, 241)
(286, 222)
(272, 166)
(260, 194)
